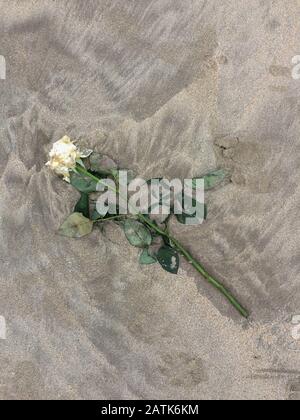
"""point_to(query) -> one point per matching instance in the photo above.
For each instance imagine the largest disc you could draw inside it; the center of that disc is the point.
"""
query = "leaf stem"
(213, 281)
(196, 264)
(83, 171)
(107, 219)
(182, 250)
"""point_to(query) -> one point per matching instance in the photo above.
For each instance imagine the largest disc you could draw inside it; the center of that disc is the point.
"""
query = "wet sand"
(171, 88)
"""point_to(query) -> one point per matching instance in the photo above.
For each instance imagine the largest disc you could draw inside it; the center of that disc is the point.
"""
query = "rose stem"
(180, 248)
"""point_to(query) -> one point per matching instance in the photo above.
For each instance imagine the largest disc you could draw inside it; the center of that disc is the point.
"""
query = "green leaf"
(95, 215)
(214, 178)
(137, 234)
(146, 258)
(169, 259)
(80, 162)
(83, 183)
(85, 153)
(76, 226)
(182, 218)
(153, 232)
(114, 172)
(83, 205)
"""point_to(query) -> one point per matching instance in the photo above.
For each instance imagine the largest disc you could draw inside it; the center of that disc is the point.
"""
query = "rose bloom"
(63, 157)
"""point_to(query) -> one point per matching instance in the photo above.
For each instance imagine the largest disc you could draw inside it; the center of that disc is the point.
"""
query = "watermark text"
(153, 197)
(2, 68)
(2, 328)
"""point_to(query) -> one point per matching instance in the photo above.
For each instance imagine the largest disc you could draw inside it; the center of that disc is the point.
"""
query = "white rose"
(63, 157)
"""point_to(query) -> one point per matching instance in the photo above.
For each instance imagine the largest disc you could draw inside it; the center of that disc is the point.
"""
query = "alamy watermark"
(296, 67)
(2, 68)
(2, 328)
(154, 197)
(296, 327)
